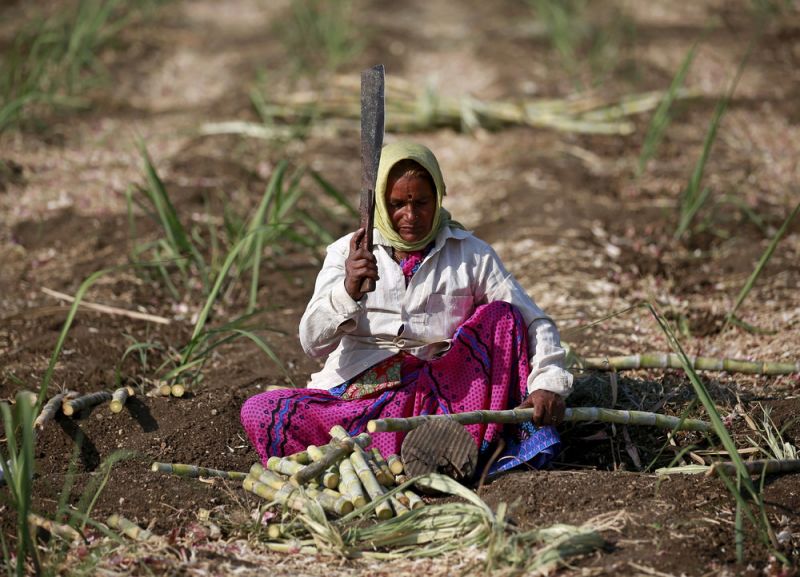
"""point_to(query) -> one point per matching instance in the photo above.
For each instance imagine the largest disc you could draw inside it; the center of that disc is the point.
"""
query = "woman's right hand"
(360, 265)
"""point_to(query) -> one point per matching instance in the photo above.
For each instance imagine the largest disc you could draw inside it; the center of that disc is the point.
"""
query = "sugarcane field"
(336, 287)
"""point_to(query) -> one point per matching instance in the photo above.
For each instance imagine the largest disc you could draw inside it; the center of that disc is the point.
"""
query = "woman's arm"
(332, 311)
(546, 355)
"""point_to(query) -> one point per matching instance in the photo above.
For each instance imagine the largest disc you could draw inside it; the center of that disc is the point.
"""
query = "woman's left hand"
(548, 407)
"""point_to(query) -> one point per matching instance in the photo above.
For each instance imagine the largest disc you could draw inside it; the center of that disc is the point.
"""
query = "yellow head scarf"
(391, 154)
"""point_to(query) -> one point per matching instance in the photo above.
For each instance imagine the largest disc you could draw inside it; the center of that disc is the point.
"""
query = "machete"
(372, 119)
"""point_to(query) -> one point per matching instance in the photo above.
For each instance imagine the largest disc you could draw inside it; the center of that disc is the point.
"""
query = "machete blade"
(372, 125)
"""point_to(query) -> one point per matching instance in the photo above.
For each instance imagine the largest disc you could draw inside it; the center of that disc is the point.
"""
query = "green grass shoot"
(694, 197)
(48, 375)
(563, 21)
(762, 262)
(760, 520)
(17, 462)
(178, 244)
(661, 117)
(53, 61)
(319, 35)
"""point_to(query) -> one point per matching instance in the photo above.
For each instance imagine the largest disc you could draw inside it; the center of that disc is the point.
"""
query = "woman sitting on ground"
(446, 330)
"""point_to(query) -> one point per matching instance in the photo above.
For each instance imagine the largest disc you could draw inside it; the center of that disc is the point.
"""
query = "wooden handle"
(367, 285)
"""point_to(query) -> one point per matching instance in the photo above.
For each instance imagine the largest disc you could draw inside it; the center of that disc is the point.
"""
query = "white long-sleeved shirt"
(460, 273)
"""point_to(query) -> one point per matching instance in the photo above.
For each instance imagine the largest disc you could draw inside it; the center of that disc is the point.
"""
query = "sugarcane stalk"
(350, 485)
(128, 528)
(399, 507)
(371, 485)
(362, 440)
(267, 477)
(673, 361)
(414, 500)
(317, 468)
(386, 478)
(290, 496)
(330, 478)
(301, 457)
(193, 471)
(403, 498)
(331, 501)
(177, 389)
(271, 494)
(376, 470)
(373, 488)
(52, 407)
(58, 529)
(395, 464)
(763, 466)
(284, 466)
(573, 414)
(315, 453)
(72, 406)
(119, 398)
(292, 548)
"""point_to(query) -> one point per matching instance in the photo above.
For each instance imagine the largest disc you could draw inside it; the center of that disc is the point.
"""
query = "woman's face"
(411, 202)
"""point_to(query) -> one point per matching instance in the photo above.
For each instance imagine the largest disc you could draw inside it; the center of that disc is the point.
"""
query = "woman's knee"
(250, 410)
(498, 309)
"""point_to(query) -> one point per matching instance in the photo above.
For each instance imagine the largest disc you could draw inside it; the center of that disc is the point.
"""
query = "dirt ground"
(565, 211)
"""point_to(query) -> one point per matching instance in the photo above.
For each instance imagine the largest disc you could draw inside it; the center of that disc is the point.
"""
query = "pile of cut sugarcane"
(340, 476)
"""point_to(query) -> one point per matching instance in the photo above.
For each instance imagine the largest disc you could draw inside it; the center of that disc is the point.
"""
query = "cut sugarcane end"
(395, 464)
(372, 427)
(116, 406)
(384, 513)
(177, 390)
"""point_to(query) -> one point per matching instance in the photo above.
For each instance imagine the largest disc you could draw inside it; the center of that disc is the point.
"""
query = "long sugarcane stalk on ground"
(193, 471)
(128, 528)
(573, 414)
(119, 398)
(764, 466)
(412, 109)
(52, 407)
(72, 406)
(672, 361)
